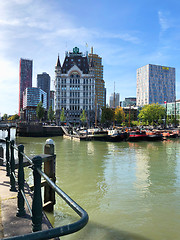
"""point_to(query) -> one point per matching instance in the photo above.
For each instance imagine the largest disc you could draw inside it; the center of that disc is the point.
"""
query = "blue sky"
(126, 34)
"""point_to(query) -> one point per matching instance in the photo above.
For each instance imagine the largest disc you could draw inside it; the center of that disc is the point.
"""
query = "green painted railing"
(36, 210)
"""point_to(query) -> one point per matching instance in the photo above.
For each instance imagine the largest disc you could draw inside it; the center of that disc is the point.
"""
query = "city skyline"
(127, 35)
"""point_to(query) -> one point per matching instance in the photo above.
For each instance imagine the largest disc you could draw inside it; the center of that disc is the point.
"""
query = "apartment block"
(155, 84)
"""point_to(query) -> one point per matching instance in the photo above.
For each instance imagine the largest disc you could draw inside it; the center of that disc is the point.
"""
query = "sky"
(126, 34)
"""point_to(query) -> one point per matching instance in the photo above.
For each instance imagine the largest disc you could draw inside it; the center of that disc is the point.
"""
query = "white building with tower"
(74, 88)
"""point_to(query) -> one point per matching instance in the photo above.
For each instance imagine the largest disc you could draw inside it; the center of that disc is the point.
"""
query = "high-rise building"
(43, 82)
(155, 84)
(74, 87)
(25, 78)
(95, 62)
(31, 98)
(114, 100)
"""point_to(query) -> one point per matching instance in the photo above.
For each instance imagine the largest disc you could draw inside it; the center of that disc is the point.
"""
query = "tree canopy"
(51, 114)
(14, 117)
(83, 117)
(40, 111)
(119, 115)
(152, 114)
(107, 115)
(62, 117)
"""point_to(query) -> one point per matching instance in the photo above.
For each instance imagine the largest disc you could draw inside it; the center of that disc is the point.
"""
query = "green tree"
(152, 113)
(40, 111)
(51, 114)
(62, 117)
(83, 117)
(5, 116)
(119, 115)
(14, 117)
(107, 116)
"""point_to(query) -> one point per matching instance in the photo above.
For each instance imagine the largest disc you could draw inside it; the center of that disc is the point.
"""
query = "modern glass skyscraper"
(43, 82)
(155, 84)
(25, 78)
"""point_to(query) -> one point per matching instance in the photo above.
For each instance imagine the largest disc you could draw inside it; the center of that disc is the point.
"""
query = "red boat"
(136, 136)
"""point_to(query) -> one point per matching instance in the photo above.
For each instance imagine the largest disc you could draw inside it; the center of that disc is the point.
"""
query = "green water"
(130, 190)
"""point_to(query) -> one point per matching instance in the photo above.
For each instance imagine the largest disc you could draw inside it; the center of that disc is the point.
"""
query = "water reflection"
(129, 190)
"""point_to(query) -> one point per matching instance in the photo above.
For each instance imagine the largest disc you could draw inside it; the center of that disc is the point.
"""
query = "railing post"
(20, 200)
(1, 155)
(37, 198)
(49, 170)
(12, 168)
(7, 157)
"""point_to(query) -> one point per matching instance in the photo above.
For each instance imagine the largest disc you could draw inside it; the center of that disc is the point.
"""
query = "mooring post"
(49, 169)
(1, 155)
(7, 157)
(37, 198)
(20, 200)
(9, 133)
(12, 168)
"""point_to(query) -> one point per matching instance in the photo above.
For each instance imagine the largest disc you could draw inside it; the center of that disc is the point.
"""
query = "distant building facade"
(114, 100)
(132, 112)
(173, 109)
(43, 82)
(25, 78)
(31, 97)
(95, 63)
(155, 84)
(74, 88)
(131, 101)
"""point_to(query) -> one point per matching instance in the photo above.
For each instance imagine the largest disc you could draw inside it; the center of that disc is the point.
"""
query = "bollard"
(37, 198)
(49, 170)
(7, 157)
(1, 155)
(12, 168)
(20, 200)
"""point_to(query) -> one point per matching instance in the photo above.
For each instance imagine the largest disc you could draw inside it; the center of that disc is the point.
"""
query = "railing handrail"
(58, 231)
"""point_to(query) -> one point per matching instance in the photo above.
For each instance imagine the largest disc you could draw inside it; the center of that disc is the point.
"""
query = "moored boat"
(115, 135)
(98, 134)
(153, 136)
(136, 136)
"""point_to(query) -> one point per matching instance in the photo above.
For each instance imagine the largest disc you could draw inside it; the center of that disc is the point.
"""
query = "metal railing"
(36, 211)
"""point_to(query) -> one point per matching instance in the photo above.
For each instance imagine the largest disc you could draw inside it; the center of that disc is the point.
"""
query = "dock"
(10, 225)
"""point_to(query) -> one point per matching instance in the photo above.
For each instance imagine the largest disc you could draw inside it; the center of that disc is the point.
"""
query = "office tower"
(31, 98)
(155, 84)
(25, 78)
(95, 62)
(43, 82)
(114, 100)
(74, 87)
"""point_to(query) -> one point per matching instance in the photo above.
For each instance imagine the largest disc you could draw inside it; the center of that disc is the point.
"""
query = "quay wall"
(38, 130)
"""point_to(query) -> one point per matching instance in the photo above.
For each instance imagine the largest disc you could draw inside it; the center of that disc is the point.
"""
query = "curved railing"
(36, 211)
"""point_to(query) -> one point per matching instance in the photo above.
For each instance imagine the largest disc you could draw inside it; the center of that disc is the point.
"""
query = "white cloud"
(164, 21)
(8, 87)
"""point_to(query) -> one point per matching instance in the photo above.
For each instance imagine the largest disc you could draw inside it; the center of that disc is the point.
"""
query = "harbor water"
(130, 190)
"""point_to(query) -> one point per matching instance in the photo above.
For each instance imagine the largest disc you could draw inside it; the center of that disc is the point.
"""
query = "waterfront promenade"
(10, 225)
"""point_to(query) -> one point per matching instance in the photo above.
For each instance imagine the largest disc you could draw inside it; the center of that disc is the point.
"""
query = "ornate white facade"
(74, 88)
